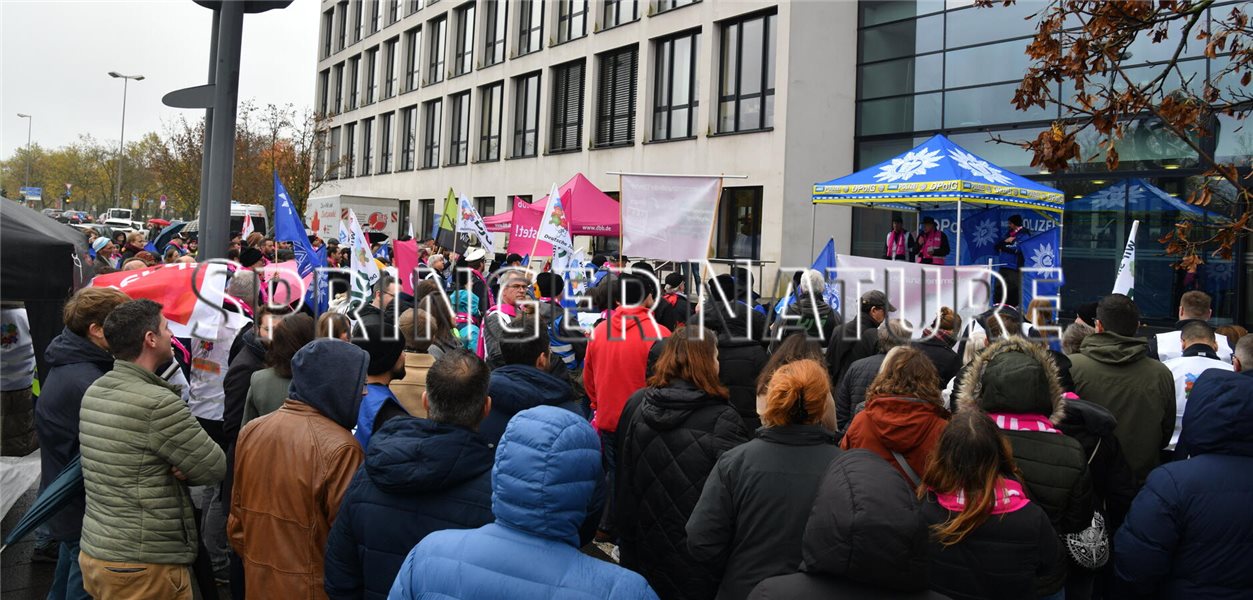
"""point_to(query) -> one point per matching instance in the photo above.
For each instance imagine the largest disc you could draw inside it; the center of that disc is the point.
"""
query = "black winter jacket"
(419, 476)
(1017, 376)
(853, 341)
(752, 513)
(940, 351)
(249, 360)
(865, 538)
(671, 442)
(1113, 484)
(1010, 556)
(852, 389)
(74, 364)
(741, 355)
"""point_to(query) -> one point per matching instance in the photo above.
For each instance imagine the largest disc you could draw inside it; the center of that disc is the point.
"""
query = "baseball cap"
(673, 280)
(876, 298)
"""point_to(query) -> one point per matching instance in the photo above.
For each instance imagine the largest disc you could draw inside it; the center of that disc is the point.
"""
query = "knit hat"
(100, 243)
(249, 256)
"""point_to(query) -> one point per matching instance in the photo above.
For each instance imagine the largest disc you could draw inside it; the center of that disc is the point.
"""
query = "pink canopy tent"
(591, 211)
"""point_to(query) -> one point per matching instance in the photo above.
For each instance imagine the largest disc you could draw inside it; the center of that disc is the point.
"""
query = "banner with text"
(524, 228)
(668, 218)
(918, 291)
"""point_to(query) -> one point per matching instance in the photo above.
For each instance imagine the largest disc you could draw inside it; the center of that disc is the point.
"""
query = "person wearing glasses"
(513, 295)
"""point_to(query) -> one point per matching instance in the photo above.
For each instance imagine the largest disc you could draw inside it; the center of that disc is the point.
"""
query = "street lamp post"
(29, 121)
(126, 79)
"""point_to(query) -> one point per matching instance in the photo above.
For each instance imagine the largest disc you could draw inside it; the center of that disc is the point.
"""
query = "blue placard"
(32, 193)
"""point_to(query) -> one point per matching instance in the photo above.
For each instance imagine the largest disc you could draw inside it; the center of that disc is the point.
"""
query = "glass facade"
(925, 69)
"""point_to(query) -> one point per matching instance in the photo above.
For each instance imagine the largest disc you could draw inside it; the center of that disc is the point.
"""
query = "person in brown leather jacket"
(291, 470)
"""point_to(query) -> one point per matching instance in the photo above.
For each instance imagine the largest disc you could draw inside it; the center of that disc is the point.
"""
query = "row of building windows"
(746, 93)
(571, 22)
(746, 103)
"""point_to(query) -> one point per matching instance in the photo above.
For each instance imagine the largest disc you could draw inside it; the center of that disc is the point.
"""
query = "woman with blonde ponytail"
(988, 540)
(751, 515)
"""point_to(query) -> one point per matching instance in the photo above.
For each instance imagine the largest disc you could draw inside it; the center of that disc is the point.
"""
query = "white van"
(260, 222)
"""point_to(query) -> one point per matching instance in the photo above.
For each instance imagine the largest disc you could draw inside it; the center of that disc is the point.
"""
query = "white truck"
(119, 219)
(322, 215)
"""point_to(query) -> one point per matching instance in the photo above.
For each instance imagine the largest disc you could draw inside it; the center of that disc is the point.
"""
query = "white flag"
(554, 228)
(1125, 283)
(247, 230)
(365, 270)
(672, 218)
(469, 221)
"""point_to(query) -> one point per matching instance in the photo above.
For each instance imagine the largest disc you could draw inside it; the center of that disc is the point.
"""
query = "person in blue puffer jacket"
(1189, 533)
(419, 476)
(545, 477)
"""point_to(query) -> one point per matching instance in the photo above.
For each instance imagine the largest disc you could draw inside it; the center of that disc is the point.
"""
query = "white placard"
(668, 218)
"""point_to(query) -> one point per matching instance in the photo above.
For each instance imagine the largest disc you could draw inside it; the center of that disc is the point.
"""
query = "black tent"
(42, 262)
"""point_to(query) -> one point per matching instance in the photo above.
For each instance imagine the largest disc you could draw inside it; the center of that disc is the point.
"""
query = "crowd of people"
(677, 447)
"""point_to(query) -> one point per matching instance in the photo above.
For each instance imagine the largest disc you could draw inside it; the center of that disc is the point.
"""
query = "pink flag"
(526, 221)
(406, 261)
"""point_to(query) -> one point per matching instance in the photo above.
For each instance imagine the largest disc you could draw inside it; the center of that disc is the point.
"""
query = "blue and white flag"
(1041, 251)
(825, 263)
(289, 227)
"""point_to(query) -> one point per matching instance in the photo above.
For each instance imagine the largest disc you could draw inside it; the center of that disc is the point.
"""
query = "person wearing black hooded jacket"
(741, 353)
(865, 538)
(76, 359)
(677, 429)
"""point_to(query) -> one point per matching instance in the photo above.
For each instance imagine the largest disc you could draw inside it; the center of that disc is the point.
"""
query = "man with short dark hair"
(387, 363)
(76, 359)
(138, 440)
(1194, 307)
(857, 339)
(1199, 355)
(420, 476)
(523, 380)
(1113, 369)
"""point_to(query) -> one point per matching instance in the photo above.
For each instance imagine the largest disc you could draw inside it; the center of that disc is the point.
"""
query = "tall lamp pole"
(29, 121)
(126, 79)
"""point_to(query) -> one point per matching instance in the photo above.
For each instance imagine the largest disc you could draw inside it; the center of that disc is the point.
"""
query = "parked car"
(51, 212)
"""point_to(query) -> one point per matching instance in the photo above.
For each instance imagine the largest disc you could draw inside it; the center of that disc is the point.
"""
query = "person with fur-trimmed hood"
(1016, 383)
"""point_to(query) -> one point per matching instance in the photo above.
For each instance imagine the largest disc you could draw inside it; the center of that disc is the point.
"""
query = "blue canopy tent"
(1136, 195)
(939, 174)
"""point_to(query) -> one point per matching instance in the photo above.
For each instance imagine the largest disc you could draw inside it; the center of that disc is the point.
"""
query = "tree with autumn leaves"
(1085, 45)
(273, 138)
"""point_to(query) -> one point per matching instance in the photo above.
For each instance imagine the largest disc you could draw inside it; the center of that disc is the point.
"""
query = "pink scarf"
(1022, 422)
(1009, 498)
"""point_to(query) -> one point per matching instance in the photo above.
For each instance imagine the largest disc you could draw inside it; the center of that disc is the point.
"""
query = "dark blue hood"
(1219, 415)
(69, 348)
(329, 375)
(546, 472)
(410, 455)
(515, 388)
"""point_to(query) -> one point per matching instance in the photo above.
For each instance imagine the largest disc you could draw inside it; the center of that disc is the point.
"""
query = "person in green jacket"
(141, 448)
(1114, 370)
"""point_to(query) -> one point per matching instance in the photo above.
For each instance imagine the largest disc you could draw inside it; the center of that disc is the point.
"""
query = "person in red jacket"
(615, 365)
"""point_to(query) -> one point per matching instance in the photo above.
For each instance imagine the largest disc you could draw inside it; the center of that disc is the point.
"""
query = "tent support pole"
(957, 261)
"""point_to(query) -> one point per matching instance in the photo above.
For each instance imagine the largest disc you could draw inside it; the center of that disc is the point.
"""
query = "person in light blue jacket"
(545, 477)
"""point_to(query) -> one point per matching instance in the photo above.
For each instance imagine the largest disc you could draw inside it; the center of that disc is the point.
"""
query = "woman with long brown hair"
(268, 389)
(677, 429)
(904, 416)
(988, 540)
(751, 515)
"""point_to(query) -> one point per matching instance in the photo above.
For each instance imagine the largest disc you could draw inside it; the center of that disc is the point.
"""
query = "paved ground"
(22, 579)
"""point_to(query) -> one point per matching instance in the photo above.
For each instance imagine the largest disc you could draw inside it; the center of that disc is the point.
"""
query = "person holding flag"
(289, 227)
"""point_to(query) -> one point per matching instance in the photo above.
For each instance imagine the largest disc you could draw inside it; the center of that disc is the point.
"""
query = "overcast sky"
(55, 56)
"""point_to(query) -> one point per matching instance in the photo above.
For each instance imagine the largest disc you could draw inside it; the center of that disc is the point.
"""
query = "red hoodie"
(617, 357)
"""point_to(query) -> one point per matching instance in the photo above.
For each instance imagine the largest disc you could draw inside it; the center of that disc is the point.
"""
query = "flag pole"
(713, 228)
(620, 224)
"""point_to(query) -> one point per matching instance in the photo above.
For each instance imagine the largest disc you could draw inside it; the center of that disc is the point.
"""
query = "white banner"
(917, 291)
(1125, 280)
(668, 218)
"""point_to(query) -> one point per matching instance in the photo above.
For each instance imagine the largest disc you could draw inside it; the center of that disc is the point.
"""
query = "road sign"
(32, 194)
